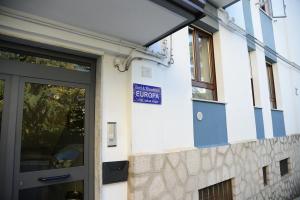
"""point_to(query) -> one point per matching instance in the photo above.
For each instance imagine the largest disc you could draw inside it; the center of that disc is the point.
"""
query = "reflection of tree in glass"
(53, 119)
(42, 61)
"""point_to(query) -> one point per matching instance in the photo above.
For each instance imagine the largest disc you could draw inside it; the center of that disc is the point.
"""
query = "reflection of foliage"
(1, 100)
(202, 93)
(42, 61)
(53, 118)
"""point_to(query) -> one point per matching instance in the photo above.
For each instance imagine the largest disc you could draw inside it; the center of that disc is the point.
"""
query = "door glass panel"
(1, 101)
(52, 127)
(6, 55)
(191, 48)
(73, 190)
(205, 63)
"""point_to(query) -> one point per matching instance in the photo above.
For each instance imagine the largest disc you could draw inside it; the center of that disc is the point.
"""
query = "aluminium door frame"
(44, 72)
(7, 150)
(27, 176)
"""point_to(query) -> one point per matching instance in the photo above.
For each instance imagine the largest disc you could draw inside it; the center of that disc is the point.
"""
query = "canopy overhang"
(222, 3)
(142, 22)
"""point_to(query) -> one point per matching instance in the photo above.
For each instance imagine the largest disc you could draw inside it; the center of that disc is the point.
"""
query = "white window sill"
(209, 101)
(279, 110)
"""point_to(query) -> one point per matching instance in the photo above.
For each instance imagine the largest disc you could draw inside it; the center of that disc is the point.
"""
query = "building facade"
(149, 99)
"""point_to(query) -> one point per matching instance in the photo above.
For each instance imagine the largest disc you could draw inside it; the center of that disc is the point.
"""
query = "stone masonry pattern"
(179, 175)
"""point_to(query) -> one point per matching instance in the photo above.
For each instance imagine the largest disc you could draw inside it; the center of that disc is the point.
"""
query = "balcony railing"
(210, 127)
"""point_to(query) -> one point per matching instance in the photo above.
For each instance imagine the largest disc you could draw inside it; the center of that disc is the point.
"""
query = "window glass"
(52, 127)
(42, 61)
(201, 58)
(1, 101)
(271, 84)
(252, 91)
(252, 81)
(191, 46)
(205, 65)
(203, 93)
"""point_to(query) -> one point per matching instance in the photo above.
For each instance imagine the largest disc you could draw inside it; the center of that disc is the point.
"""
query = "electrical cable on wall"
(130, 59)
(127, 62)
(227, 24)
(171, 61)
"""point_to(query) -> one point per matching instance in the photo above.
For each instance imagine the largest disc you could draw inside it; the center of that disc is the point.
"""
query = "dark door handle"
(54, 178)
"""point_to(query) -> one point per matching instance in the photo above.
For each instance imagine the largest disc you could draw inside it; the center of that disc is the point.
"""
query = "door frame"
(13, 71)
(26, 176)
(7, 150)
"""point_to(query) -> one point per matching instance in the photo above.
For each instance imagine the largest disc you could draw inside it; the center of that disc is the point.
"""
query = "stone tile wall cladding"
(179, 175)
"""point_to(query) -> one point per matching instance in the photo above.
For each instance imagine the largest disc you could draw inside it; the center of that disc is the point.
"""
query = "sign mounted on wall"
(146, 94)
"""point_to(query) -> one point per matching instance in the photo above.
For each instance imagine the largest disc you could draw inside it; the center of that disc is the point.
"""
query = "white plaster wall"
(296, 101)
(115, 100)
(290, 100)
(158, 128)
(259, 73)
(293, 27)
(286, 32)
(286, 44)
(115, 191)
(287, 91)
(261, 88)
(142, 127)
(287, 81)
(256, 19)
(232, 57)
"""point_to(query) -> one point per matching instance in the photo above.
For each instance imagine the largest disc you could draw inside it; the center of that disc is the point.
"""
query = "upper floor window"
(265, 5)
(271, 86)
(252, 81)
(202, 64)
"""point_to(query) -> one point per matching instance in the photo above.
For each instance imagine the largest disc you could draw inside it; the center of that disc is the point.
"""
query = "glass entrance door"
(46, 124)
(50, 143)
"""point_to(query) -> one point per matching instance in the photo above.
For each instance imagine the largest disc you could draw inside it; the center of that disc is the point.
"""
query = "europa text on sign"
(146, 94)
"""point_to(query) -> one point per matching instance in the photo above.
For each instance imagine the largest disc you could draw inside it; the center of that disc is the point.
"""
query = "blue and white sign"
(146, 94)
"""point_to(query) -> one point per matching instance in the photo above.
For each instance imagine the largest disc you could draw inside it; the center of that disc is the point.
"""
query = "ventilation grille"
(219, 191)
